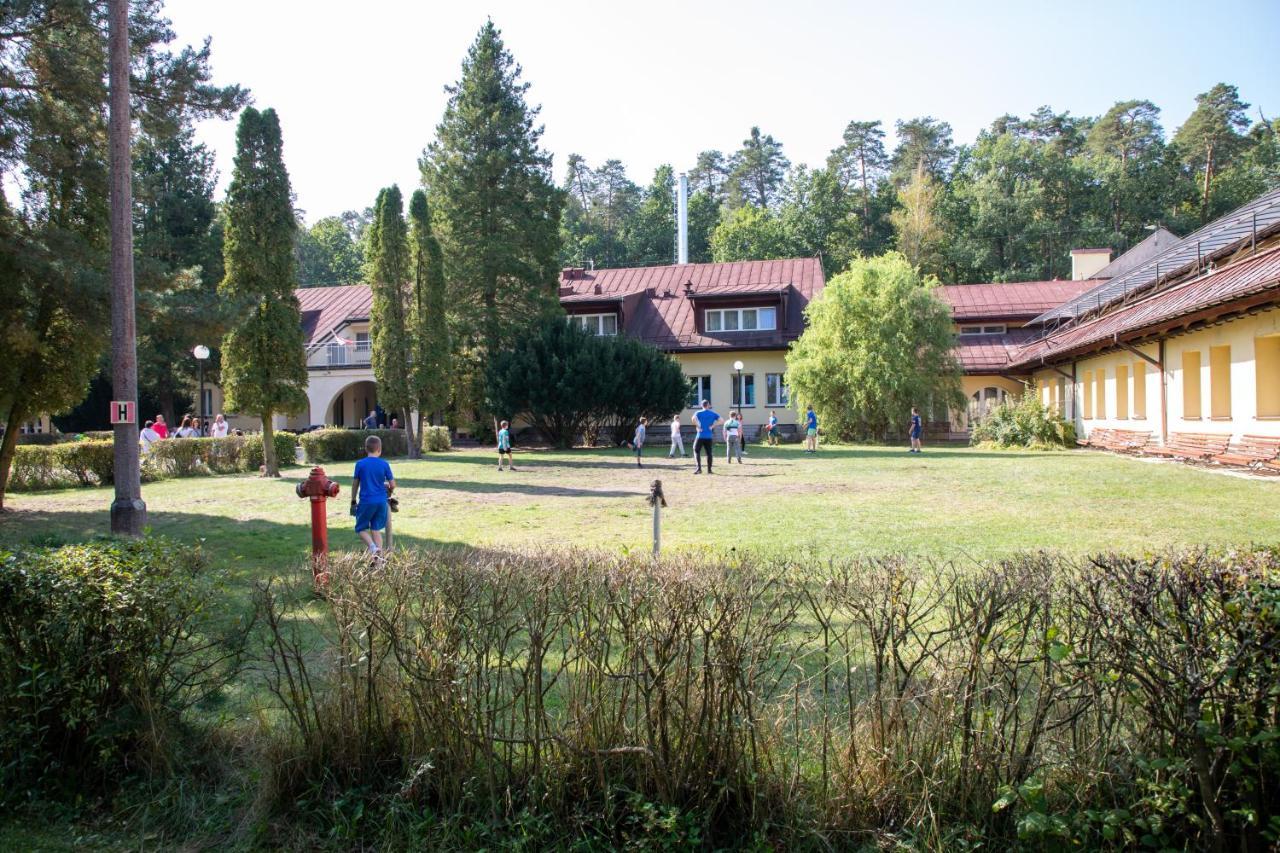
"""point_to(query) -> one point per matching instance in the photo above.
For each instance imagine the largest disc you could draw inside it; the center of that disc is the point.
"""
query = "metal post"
(128, 511)
(657, 500)
(203, 415)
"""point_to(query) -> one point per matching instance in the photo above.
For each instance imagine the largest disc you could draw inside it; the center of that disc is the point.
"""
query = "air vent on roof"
(597, 289)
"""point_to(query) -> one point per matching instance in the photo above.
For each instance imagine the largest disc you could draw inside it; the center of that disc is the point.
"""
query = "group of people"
(190, 427)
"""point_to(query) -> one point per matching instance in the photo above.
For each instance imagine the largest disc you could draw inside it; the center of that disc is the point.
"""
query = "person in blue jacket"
(705, 420)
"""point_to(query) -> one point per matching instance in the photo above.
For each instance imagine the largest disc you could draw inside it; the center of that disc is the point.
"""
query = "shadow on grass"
(515, 488)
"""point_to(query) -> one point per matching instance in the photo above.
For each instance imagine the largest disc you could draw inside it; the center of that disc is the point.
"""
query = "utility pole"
(128, 512)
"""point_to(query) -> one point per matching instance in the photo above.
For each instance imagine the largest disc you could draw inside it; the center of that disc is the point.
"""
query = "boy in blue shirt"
(811, 431)
(917, 430)
(705, 421)
(504, 446)
(371, 488)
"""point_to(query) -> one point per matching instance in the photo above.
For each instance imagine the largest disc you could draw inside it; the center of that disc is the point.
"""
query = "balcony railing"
(347, 355)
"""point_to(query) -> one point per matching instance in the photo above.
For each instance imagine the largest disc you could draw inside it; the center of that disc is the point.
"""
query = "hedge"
(344, 445)
(90, 463)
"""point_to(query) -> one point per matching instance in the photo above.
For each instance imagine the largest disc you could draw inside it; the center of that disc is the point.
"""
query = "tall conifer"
(389, 322)
(430, 328)
(264, 368)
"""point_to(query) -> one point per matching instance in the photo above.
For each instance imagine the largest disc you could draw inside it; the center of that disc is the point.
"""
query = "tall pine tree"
(264, 367)
(389, 320)
(432, 361)
(490, 185)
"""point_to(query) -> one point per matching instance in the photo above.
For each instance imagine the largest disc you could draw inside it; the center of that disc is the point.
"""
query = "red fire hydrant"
(319, 488)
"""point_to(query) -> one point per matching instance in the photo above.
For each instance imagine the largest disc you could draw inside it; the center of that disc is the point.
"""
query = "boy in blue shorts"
(371, 488)
(917, 430)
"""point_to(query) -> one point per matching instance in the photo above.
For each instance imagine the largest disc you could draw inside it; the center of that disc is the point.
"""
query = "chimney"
(1085, 263)
(682, 220)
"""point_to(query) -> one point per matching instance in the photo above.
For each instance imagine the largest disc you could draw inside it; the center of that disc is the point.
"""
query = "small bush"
(40, 439)
(286, 450)
(92, 462)
(102, 648)
(343, 445)
(36, 467)
(181, 457)
(436, 439)
(1023, 421)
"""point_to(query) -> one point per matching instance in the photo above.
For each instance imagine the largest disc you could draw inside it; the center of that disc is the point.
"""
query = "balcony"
(346, 355)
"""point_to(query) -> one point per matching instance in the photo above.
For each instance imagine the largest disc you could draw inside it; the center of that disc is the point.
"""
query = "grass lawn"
(949, 502)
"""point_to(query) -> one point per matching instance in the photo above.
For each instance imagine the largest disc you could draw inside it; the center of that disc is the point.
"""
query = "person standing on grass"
(371, 487)
(811, 431)
(504, 446)
(161, 428)
(677, 440)
(706, 420)
(184, 428)
(732, 439)
(148, 436)
(917, 430)
(637, 441)
(772, 429)
(219, 428)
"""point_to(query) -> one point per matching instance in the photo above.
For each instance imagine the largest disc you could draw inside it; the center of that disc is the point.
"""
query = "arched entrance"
(350, 406)
(984, 400)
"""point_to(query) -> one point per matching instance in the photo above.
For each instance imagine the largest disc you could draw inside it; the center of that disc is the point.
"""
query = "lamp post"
(201, 352)
(737, 365)
(742, 401)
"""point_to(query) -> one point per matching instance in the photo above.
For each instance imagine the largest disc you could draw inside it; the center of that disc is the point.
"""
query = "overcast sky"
(359, 86)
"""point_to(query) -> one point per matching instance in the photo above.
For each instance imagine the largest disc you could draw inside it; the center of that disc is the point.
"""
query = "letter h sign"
(122, 412)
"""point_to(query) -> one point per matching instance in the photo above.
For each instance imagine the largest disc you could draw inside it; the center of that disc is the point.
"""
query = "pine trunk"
(9, 445)
(270, 465)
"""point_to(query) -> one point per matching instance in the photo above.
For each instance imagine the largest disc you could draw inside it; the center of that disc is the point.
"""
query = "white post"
(682, 221)
(657, 527)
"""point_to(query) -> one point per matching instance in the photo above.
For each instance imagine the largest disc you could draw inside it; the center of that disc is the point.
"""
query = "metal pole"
(128, 511)
(203, 416)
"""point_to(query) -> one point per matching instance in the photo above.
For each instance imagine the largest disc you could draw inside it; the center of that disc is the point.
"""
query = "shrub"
(102, 648)
(286, 450)
(35, 467)
(342, 445)
(40, 439)
(436, 439)
(181, 457)
(1036, 702)
(1023, 421)
(92, 462)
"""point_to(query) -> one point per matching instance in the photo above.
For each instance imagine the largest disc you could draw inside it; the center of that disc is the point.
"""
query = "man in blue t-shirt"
(705, 420)
(371, 488)
(811, 431)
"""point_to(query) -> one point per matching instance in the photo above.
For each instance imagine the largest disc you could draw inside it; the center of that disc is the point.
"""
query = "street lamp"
(201, 352)
(737, 365)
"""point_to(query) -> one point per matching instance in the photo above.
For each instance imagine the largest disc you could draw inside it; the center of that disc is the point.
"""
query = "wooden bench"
(1129, 440)
(1250, 451)
(1193, 446)
(1096, 438)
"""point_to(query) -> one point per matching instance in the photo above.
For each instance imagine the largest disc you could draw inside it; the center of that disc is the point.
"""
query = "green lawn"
(949, 502)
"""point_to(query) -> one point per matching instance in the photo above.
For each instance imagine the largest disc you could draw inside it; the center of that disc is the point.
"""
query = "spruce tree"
(264, 367)
(430, 327)
(491, 190)
(388, 321)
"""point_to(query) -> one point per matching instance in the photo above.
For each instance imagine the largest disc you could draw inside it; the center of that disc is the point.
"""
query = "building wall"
(719, 366)
(978, 384)
(1238, 368)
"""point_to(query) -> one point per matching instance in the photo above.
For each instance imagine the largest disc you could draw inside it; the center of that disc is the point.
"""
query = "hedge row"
(90, 463)
(343, 445)
(48, 438)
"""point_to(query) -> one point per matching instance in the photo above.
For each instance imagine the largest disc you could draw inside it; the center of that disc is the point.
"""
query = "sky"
(359, 87)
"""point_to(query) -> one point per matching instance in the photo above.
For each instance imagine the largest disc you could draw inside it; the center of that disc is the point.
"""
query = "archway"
(351, 405)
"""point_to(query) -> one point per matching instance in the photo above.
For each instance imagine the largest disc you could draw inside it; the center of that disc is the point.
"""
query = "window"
(1122, 392)
(207, 403)
(741, 319)
(596, 324)
(1087, 395)
(1220, 382)
(776, 391)
(744, 395)
(1266, 364)
(699, 390)
(984, 401)
(995, 329)
(1100, 394)
(1140, 389)
(1059, 391)
(1191, 385)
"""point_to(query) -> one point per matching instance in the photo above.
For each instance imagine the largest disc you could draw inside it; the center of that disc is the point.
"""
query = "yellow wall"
(719, 366)
(1236, 378)
(975, 383)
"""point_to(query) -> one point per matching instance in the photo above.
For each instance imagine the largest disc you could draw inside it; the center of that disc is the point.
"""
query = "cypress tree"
(388, 322)
(430, 328)
(491, 190)
(264, 367)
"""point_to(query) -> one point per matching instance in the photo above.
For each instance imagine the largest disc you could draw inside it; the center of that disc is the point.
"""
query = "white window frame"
(598, 321)
(720, 319)
(987, 329)
(777, 394)
(704, 391)
(738, 385)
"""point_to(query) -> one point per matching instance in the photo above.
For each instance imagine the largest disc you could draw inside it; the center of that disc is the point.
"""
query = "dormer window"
(596, 324)
(741, 319)
(984, 330)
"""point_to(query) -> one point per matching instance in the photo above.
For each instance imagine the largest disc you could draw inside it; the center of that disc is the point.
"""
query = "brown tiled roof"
(989, 353)
(658, 303)
(1023, 299)
(1250, 282)
(327, 308)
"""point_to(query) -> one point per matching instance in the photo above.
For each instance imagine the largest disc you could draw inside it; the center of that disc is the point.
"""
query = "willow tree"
(264, 367)
(393, 351)
(431, 362)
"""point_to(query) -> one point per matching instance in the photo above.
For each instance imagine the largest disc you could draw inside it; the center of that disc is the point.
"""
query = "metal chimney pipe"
(682, 220)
